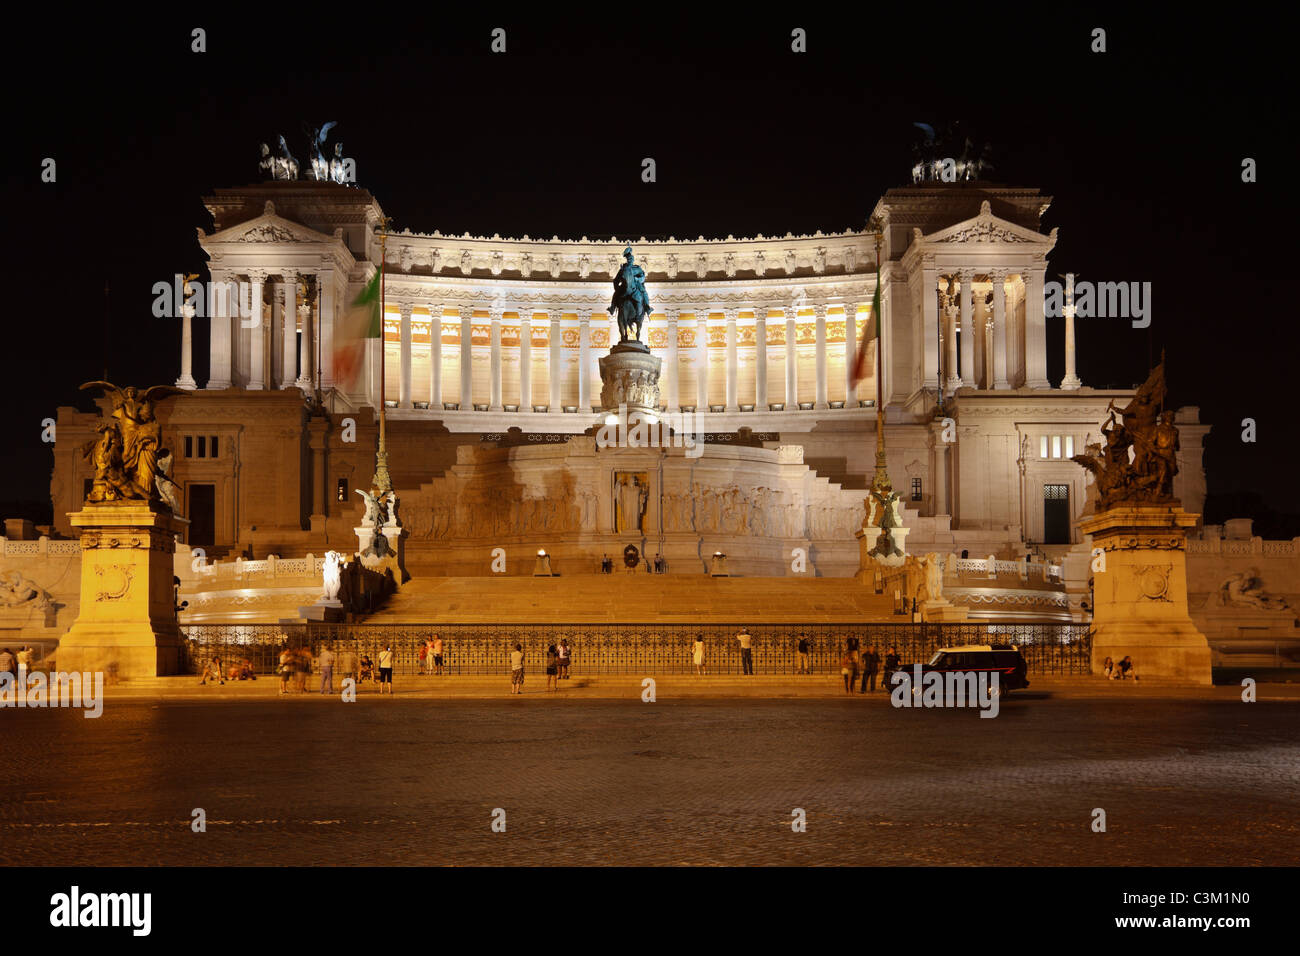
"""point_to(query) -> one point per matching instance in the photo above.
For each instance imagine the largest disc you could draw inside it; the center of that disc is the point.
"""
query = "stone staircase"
(634, 599)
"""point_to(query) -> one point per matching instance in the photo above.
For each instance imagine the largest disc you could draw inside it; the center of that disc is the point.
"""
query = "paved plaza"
(315, 781)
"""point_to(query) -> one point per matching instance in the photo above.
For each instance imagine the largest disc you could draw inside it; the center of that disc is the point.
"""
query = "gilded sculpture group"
(1140, 459)
(128, 458)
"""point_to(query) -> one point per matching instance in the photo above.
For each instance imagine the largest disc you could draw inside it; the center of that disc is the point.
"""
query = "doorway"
(1056, 514)
(202, 515)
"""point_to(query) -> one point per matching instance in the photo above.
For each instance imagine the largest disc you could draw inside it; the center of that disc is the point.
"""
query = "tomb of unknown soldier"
(844, 434)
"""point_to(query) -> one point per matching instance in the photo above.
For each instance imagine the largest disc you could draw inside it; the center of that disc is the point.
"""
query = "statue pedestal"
(389, 555)
(127, 619)
(943, 611)
(1140, 598)
(329, 612)
(631, 378)
(542, 567)
(868, 562)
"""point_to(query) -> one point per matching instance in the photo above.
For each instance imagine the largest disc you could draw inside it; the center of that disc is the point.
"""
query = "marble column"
(1071, 380)
(702, 360)
(307, 347)
(555, 369)
(219, 333)
(584, 362)
(850, 353)
(257, 366)
(289, 353)
(307, 350)
(435, 356)
(525, 360)
(670, 393)
(760, 358)
(791, 360)
(1035, 330)
(404, 387)
(732, 363)
(325, 327)
(186, 379)
(494, 380)
(952, 375)
(466, 359)
(967, 329)
(999, 279)
(819, 311)
(930, 326)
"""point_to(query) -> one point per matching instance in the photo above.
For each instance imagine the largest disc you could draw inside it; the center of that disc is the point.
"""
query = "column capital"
(404, 309)
(760, 313)
(671, 315)
(526, 316)
(289, 275)
(997, 276)
(466, 312)
(966, 274)
(731, 315)
(555, 315)
(257, 275)
(819, 310)
(584, 320)
(435, 308)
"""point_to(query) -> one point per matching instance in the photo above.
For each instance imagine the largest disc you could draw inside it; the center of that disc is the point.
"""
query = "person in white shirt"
(325, 661)
(386, 669)
(746, 651)
(517, 670)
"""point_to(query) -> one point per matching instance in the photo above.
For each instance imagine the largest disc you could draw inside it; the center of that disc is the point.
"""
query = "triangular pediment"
(986, 228)
(269, 227)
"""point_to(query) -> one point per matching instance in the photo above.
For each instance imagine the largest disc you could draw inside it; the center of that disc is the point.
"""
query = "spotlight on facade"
(611, 419)
(542, 569)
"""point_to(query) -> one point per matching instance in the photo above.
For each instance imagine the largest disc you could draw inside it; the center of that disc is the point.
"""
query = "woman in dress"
(698, 655)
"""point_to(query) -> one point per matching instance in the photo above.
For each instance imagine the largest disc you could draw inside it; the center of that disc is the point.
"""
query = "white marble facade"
(486, 333)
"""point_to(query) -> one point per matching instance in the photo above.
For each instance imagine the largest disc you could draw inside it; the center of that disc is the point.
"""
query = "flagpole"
(880, 481)
(383, 483)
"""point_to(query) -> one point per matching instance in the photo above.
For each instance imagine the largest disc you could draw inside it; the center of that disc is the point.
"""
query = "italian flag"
(362, 321)
(860, 364)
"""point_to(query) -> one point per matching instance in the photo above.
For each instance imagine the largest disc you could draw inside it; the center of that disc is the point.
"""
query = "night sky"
(1140, 146)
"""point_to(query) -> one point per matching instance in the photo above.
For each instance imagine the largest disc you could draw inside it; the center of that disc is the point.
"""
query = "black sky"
(1140, 146)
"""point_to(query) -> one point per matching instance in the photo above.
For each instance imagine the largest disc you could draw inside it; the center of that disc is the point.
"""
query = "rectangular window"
(189, 447)
(1056, 446)
(343, 490)
(212, 445)
(916, 489)
(1069, 446)
(203, 447)
(1042, 447)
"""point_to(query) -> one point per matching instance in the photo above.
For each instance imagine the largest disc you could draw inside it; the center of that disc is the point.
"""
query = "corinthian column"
(670, 391)
(555, 369)
(1071, 380)
(791, 360)
(404, 387)
(466, 359)
(760, 358)
(821, 396)
(850, 353)
(494, 387)
(289, 352)
(307, 348)
(999, 278)
(954, 381)
(186, 379)
(435, 355)
(584, 362)
(733, 361)
(702, 359)
(967, 329)
(525, 360)
(256, 332)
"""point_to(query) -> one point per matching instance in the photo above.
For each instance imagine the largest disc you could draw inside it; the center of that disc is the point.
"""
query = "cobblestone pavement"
(306, 781)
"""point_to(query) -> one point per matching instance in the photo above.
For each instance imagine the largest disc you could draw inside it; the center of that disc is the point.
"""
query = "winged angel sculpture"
(126, 455)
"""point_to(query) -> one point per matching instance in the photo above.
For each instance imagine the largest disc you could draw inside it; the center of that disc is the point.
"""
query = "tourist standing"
(437, 654)
(425, 664)
(552, 668)
(386, 669)
(892, 663)
(746, 651)
(517, 670)
(346, 664)
(698, 656)
(563, 662)
(24, 665)
(848, 665)
(325, 661)
(804, 649)
(870, 667)
(285, 669)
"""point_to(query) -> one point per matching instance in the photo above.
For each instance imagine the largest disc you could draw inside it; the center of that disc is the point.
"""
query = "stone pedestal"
(329, 612)
(1141, 596)
(389, 555)
(631, 378)
(943, 611)
(127, 619)
(718, 566)
(868, 563)
(542, 567)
